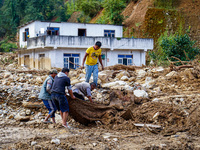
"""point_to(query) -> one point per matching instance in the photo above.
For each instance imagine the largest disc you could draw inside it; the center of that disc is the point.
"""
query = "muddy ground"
(155, 108)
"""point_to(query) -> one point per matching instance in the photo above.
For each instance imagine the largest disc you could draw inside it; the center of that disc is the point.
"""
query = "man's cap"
(53, 71)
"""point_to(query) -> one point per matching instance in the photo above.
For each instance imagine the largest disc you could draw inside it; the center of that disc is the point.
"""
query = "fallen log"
(85, 112)
(176, 68)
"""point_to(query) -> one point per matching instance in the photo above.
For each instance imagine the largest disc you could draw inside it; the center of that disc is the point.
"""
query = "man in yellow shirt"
(92, 54)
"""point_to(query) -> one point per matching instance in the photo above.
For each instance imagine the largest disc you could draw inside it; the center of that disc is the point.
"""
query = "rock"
(39, 80)
(121, 74)
(94, 144)
(1, 112)
(38, 115)
(7, 74)
(155, 100)
(124, 78)
(159, 69)
(131, 79)
(140, 93)
(22, 118)
(28, 112)
(188, 73)
(99, 96)
(55, 141)
(163, 146)
(81, 76)
(75, 81)
(11, 116)
(148, 82)
(22, 113)
(141, 74)
(29, 76)
(103, 77)
(115, 139)
(171, 74)
(10, 67)
(33, 143)
(113, 84)
(51, 126)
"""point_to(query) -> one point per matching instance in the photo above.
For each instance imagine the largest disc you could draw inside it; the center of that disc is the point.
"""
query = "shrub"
(6, 47)
(180, 46)
(177, 45)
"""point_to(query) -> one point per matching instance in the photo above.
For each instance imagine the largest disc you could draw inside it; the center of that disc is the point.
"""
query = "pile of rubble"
(148, 95)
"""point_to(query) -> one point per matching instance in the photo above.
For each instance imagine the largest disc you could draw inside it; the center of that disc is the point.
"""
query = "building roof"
(62, 22)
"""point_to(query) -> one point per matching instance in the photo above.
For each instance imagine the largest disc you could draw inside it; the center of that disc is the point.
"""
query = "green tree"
(10, 19)
(113, 9)
(90, 7)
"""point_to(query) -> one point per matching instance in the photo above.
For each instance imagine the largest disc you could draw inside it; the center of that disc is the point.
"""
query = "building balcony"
(85, 42)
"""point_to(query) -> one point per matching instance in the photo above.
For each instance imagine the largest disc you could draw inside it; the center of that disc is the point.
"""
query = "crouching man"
(45, 95)
(83, 89)
(58, 94)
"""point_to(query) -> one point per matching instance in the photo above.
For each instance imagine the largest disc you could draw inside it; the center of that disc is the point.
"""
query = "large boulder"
(113, 84)
(121, 74)
(141, 74)
(141, 93)
(103, 77)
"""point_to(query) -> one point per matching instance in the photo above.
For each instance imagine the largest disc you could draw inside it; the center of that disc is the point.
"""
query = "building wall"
(35, 62)
(112, 57)
(68, 29)
(71, 29)
(55, 57)
(31, 27)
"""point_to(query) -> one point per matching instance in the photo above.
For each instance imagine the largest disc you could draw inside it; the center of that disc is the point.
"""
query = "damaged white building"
(44, 45)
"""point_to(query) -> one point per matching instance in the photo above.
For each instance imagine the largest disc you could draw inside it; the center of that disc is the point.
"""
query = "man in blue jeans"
(58, 94)
(45, 95)
(92, 54)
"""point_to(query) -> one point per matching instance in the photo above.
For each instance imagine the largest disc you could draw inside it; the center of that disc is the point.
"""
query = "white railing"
(84, 42)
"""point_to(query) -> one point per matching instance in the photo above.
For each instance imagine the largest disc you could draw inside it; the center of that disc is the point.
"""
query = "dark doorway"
(81, 32)
(124, 61)
(71, 61)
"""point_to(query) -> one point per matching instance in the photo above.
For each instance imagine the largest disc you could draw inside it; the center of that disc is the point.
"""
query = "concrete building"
(62, 44)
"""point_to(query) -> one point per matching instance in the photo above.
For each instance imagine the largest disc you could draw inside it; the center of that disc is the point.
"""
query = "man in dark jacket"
(58, 94)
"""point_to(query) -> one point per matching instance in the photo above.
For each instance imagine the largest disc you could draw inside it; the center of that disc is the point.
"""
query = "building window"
(71, 61)
(109, 33)
(81, 32)
(26, 34)
(125, 59)
(41, 55)
(52, 31)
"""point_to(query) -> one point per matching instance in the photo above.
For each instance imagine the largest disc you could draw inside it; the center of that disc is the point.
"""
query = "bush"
(7, 47)
(177, 45)
(180, 46)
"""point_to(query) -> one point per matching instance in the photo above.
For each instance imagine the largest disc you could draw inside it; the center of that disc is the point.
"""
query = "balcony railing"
(85, 42)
